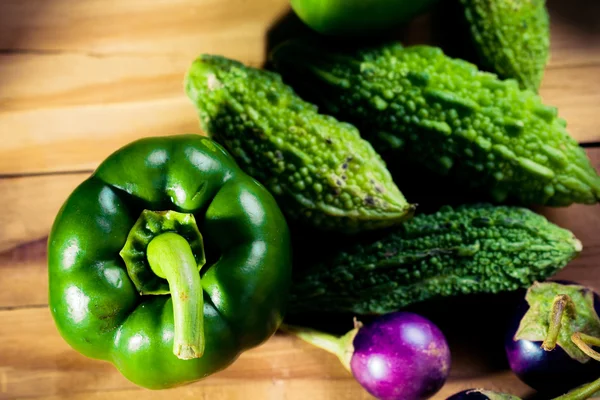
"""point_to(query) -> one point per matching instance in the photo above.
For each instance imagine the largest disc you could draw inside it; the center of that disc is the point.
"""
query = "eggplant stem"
(582, 392)
(341, 346)
(562, 303)
(584, 342)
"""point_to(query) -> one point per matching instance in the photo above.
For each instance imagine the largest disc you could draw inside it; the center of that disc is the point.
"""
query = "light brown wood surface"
(78, 79)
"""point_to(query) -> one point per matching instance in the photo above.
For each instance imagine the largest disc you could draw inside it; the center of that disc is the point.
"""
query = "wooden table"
(80, 78)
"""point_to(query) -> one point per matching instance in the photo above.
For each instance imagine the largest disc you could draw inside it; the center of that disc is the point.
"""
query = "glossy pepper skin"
(358, 17)
(244, 283)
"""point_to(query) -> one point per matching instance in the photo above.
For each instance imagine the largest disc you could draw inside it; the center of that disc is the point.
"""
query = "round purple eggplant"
(549, 372)
(399, 356)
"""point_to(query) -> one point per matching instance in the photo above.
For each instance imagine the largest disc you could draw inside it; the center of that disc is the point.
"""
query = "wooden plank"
(50, 366)
(71, 111)
(88, 78)
(235, 28)
(80, 79)
(574, 33)
(584, 222)
(80, 137)
(24, 281)
(74, 119)
(49, 81)
(31, 204)
(276, 389)
(576, 92)
(37, 363)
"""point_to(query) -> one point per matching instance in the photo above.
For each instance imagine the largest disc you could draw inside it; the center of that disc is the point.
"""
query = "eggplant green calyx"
(556, 313)
(341, 346)
(164, 254)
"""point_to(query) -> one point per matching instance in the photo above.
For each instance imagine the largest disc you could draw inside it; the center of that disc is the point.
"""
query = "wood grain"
(282, 368)
(117, 100)
(176, 27)
(235, 28)
(88, 76)
(571, 90)
(80, 79)
(30, 205)
(276, 389)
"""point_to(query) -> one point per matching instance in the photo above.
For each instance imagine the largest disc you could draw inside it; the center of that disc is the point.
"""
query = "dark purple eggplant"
(581, 393)
(481, 394)
(562, 365)
(399, 356)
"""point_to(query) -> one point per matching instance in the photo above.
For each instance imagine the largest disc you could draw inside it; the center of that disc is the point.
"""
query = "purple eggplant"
(581, 393)
(538, 343)
(481, 394)
(399, 356)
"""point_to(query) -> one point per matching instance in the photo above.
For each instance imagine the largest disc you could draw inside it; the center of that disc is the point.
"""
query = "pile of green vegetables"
(176, 255)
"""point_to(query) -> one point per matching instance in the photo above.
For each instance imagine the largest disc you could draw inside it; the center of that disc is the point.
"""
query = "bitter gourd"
(512, 37)
(320, 170)
(469, 249)
(444, 114)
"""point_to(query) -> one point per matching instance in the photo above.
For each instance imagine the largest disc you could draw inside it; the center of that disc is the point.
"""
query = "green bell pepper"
(169, 261)
(358, 17)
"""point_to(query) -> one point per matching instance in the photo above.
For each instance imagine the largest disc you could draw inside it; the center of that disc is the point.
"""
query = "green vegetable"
(556, 312)
(319, 169)
(357, 17)
(512, 37)
(470, 249)
(443, 114)
(145, 295)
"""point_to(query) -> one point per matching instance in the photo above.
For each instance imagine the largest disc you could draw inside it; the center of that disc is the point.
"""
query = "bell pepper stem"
(170, 257)
(562, 303)
(341, 346)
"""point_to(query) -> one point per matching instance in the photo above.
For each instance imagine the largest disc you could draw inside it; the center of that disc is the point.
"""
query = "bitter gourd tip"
(319, 169)
(578, 246)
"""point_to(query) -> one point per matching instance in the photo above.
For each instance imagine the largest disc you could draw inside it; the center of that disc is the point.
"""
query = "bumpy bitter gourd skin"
(320, 170)
(442, 113)
(512, 37)
(470, 249)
